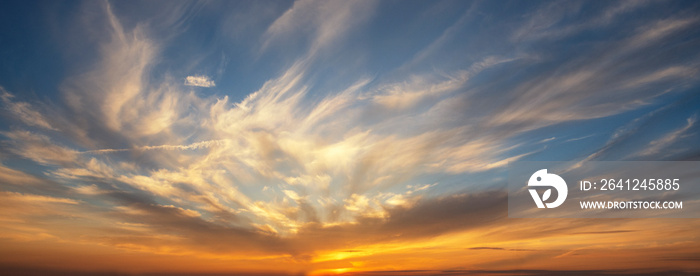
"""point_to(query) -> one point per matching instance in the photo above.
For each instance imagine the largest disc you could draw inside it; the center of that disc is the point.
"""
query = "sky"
(333, 137)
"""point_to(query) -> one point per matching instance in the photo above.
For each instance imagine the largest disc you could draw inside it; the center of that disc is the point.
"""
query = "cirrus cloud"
(199, 80)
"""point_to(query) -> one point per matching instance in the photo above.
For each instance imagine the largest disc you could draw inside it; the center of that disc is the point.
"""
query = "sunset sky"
(333, 137)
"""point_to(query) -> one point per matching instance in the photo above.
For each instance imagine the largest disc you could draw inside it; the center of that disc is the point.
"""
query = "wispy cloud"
(198, 80)
(24, 111)
(657, 145)
(546, 22)
(320, 22)
(197, 145)
(421, 88)
(579, 138)
(39, 148)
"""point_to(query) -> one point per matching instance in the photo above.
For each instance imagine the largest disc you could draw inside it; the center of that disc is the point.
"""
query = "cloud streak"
(193, 146)
(200, 81)
(656, 146)
(24, 111)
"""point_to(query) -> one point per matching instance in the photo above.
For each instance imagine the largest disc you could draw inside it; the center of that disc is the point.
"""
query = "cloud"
(657, 145)
(19, 178)
(193, 146)
(419, 88)
(39, 148)
(36, 198)
(24, 111)
(579, 89)
(547, 22)
(114, 100)
(579, 138)
(201, 81)
(321, 22)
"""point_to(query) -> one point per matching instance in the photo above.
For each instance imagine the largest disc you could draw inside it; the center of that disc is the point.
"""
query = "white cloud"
(34, 198)
(201, 81)
(39, 148)
(24, 111)
(324, 22)
(657, 145)
(292, 194)
(193, 146)
(116, 95)
(418, 88)
(546, 23)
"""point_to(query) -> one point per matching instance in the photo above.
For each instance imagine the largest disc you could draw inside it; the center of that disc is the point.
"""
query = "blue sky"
(271, 117)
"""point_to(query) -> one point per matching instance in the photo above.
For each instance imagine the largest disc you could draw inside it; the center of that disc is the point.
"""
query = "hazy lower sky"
(322, 137)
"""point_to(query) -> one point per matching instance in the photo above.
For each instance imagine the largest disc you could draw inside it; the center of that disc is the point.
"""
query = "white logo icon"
(542, 178)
